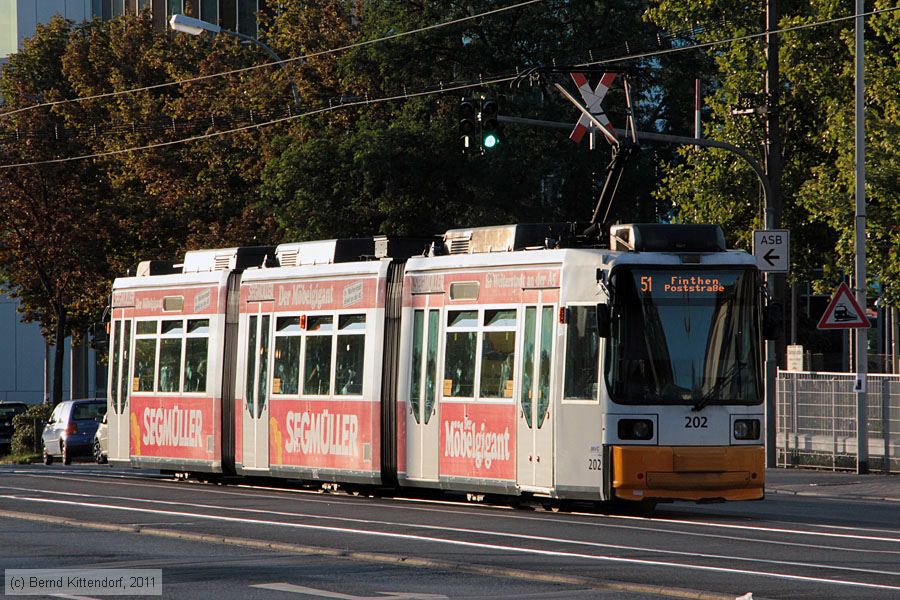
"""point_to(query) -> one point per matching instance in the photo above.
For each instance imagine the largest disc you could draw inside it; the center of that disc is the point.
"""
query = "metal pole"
(895, 340)
(697, 109)
(862, 424)
(774, 283)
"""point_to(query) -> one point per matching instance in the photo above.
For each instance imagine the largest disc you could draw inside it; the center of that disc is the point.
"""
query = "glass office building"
(19, 18)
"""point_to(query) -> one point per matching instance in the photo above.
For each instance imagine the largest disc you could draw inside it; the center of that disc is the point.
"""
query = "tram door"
(117, 417)
(422, 422)
(255, 430)
(534, 430)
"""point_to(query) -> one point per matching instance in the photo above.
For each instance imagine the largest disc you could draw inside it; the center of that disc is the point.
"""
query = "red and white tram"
(505, 359)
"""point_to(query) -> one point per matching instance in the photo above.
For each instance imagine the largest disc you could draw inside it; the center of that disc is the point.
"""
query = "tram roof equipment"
(659, 237)
(296, 254)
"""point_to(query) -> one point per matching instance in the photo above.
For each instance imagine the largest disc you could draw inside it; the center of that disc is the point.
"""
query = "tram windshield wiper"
(733, 373)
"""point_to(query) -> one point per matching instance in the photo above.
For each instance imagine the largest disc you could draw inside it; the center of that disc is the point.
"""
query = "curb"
(786, 492)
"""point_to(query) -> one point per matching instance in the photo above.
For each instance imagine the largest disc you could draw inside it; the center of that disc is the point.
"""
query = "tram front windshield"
(686, 336)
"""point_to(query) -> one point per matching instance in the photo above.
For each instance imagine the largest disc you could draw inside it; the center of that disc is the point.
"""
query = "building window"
(209, 11)
(247, 17)
(228, 14)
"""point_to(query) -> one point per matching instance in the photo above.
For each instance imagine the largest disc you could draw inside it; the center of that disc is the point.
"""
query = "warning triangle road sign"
(843, 312)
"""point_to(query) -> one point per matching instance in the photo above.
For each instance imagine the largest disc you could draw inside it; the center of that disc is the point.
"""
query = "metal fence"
(816, 416)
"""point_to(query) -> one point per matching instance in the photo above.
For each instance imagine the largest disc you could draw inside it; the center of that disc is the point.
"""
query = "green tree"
(397, 167)
(53, 234)
(816, 112)
(71, 227)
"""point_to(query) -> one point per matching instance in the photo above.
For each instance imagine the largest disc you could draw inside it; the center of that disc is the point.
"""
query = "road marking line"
(477, 532)
(542, 520)
(167, 484)
(479, 545)
(382, 558)
(299, 589)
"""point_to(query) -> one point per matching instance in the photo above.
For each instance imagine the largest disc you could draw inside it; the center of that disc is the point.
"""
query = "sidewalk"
(830, 484)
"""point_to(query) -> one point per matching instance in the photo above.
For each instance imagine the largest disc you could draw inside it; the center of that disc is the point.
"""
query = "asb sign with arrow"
(772, 249)
(844, 312)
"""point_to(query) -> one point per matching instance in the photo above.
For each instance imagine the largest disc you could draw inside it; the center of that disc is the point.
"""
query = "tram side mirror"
(773, 321)
(604, 321)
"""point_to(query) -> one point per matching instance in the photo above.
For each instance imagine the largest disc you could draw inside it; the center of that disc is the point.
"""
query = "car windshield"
(88, 411)
(684, 337)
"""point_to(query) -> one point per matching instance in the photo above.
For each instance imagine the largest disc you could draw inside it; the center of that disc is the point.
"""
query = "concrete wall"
(22, 359)
(9, 40)
(21, 356)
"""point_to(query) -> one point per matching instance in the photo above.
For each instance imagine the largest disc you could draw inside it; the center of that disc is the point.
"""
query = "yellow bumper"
(689, 472)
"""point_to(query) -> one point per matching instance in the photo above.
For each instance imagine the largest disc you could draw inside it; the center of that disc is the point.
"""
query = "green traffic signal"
(490, 124)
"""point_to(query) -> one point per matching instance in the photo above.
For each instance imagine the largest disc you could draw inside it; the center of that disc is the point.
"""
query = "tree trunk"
(59, 355)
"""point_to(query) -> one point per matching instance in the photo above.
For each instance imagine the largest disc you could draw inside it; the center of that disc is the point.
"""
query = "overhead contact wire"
(442, 90)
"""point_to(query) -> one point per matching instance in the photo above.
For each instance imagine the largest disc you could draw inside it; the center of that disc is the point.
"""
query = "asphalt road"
(263, 542)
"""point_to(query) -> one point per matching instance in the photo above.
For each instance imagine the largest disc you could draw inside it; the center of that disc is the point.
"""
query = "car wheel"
(98, 453)
(66, 457)
(48, 459)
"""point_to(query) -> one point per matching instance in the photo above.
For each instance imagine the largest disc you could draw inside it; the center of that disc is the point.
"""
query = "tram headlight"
(746, 429)
(635, 429)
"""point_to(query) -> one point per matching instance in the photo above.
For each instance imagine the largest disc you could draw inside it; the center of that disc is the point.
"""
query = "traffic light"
(468, 123)
(490, 123)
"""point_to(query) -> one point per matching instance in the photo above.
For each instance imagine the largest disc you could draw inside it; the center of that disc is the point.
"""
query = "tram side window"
(115, 365)
(126, 357)
(196, 355)
(459, 357)
(498, 353)
(145, 356)
(434, 318)
(286, 379)
(317, 363)
(251, 359)
(415, 378)
(582, 353)
(170, 345)
(350, 355)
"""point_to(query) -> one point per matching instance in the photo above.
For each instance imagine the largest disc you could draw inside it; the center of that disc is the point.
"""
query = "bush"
(28, 427)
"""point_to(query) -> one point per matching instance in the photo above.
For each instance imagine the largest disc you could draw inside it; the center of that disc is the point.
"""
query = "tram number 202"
(695, 423)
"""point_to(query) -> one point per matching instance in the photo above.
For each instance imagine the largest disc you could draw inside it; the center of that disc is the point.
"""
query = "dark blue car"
(8, 410)
(71, 428)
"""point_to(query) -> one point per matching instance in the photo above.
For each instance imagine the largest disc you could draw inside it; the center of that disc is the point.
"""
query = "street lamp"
(192, 26)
